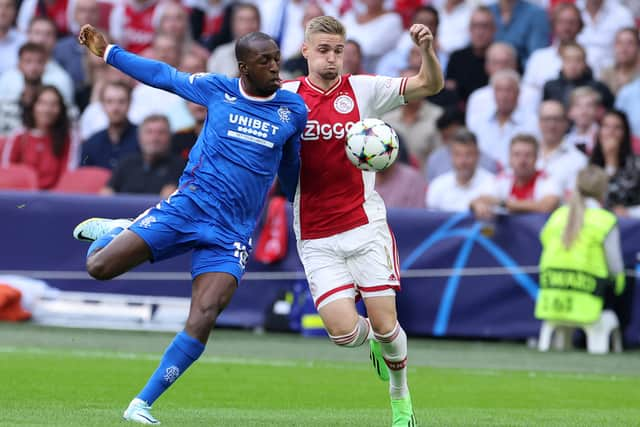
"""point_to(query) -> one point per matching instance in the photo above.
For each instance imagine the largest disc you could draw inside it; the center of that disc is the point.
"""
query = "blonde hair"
(584, 92)
(326, 25)
(593, 182)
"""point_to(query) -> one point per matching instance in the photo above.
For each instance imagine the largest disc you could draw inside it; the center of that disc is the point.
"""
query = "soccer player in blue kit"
(251, 132)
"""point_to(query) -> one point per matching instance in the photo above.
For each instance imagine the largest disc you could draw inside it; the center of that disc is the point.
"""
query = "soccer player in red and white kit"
(344, 242)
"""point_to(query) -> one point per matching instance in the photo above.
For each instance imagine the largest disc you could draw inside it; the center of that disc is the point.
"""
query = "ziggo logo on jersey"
(314, 131)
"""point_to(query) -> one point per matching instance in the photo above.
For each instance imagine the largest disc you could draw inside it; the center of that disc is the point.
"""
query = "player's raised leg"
(393, 346)
(211, 292)
(122, 251)
(343, 323)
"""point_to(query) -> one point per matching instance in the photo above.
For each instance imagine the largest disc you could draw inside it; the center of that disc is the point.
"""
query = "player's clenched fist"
(93, 39)
(421, 36)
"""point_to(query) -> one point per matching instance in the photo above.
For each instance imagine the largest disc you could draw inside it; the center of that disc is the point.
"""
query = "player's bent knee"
(383, 328)
(99, 269)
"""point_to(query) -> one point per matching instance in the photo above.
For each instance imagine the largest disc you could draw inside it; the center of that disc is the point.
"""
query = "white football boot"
(92, 229)
(138, 411)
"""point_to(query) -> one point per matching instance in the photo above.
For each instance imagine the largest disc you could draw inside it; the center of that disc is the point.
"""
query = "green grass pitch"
(68, 377)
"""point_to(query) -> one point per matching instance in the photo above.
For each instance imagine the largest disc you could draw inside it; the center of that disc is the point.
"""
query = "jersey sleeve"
(290, 163)
(383, 93)
(193, 87)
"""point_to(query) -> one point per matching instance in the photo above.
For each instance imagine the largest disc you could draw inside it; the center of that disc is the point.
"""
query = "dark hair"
(241, 5)
(429, 9)
(526, 138)
(597, 157)
(118, 84)
(561, 7)
(243, 45)
(464, 136)
(155, 118)
(635, 32)
(31, 47)
(59, 130)
(44, 19)
(450, 116)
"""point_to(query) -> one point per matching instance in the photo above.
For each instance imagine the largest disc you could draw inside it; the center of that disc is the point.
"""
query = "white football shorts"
(361, 261)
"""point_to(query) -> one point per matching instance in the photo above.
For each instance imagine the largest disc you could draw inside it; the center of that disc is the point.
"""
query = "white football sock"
(394, 352)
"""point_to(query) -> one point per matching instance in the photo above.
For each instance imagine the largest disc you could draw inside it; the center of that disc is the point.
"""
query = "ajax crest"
(343, 104)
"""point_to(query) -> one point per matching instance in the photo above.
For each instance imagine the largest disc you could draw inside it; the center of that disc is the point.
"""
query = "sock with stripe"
(104, 240)
(181, 353)
(394, 352)
(355, 338)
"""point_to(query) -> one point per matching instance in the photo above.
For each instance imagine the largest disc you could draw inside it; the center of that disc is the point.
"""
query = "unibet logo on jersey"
(252, 129)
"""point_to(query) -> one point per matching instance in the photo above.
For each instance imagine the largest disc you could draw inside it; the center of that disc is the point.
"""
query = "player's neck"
(321, 83)
(251, 90)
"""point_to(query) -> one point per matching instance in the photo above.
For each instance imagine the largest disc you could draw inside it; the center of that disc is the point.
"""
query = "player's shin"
(394, 351)
(181, 353)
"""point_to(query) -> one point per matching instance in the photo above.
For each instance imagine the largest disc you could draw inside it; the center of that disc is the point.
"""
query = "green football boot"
(379, 365)
(402, 412)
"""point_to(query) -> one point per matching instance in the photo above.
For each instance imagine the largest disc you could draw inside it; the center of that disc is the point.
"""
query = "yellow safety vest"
(573, 282)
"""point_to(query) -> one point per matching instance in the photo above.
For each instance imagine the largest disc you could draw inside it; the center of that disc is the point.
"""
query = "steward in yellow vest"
(574, 270)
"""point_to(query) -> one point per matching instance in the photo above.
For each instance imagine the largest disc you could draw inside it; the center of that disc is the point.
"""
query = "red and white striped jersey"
(334, 196)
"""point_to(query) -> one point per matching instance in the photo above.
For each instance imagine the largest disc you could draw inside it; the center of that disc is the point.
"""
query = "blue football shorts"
(178, 225)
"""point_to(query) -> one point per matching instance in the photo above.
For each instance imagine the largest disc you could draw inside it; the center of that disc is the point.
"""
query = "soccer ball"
(372, 145)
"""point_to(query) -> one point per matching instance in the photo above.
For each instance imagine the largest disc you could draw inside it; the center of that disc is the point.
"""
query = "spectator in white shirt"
(545, 63)
(147, 100)
(396, 59)
(626, 68)
(585, 108)
(559, 159)
(375, 29)
(245, 19)
(495, 131)
(42, 31)
(10, 38)
(173, 19)
(439, 161)
(481, 104)
(31, 64)
(454, 25)
(523, 188)
(455, 191)
(602, 20)
(415, 122)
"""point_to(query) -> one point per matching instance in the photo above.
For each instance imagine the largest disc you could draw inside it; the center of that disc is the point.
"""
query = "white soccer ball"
(372, 145)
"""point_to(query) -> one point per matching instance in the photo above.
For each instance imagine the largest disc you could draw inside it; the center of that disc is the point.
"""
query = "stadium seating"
(87, 179)
(600, 334)
(18, 177)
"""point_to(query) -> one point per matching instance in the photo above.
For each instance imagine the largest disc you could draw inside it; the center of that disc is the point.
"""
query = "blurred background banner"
(459, 277)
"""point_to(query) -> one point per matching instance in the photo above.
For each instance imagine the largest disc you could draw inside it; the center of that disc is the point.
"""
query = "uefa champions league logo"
(284, 114)
(171, 374)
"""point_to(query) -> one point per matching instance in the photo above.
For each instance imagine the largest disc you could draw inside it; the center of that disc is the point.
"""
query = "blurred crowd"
(535, 90)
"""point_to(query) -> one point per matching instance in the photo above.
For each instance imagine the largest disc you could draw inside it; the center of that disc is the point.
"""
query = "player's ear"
(242, 67)
(305, 50)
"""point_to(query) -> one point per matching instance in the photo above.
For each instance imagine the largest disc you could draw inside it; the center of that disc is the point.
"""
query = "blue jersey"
(244, 142)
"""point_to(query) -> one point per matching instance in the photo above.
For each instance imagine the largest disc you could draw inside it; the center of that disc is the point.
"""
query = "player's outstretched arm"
(148, 71)
(429, 79)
